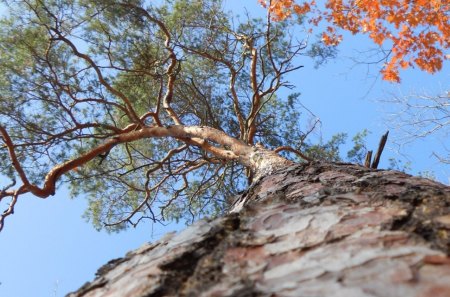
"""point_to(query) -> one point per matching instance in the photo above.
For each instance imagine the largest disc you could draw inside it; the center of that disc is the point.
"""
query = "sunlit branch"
(10, 209)
(192, 134)
(292, 150)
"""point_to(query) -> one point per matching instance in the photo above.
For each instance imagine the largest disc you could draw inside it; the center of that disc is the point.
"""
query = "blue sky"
(47, 249)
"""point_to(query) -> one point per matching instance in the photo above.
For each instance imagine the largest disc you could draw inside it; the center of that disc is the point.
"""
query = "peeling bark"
(307, 230)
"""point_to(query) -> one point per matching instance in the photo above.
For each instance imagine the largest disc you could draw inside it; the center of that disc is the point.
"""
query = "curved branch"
(12, 154)
(10, 209)
(292, 150)
(257, 159)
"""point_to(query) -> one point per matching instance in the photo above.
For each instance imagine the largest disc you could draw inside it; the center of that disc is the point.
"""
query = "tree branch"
(292, 150)
(381, 145)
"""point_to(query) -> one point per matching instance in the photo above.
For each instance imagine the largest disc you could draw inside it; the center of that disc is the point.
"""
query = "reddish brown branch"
(292, 150)
(10, 210)
(170, 71)
(196, 135)
(12, 154)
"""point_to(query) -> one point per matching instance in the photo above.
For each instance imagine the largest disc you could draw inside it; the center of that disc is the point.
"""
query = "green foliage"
(57, 104)
(359, 151)
(399, 165)
(321, 53)
(428, 174)
(405, 166)
(328, 151)
(332, 150)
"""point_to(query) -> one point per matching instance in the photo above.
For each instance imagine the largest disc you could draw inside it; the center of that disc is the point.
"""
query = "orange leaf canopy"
(416, 32)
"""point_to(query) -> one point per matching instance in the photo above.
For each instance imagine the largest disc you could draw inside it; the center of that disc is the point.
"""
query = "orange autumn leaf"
(390, 74)
(404, 64)
(418, 32)
(331, 40)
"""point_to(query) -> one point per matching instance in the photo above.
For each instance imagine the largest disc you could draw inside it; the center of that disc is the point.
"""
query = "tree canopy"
(149, 111)
(152, 111)
(413, 33)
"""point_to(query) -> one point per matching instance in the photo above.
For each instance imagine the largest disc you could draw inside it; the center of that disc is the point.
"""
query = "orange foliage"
(417, 31)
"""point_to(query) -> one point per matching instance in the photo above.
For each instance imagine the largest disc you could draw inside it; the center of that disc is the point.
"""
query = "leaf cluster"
(416, 33)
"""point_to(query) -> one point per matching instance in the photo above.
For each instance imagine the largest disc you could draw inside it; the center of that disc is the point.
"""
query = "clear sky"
(47, 249)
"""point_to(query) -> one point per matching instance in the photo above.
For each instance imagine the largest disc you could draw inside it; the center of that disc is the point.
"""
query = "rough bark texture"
(308, 230)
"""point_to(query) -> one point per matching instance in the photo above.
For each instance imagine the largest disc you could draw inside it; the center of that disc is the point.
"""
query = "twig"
(292, 150)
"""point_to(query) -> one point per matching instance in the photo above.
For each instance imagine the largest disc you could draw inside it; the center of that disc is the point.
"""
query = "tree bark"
(314, 229)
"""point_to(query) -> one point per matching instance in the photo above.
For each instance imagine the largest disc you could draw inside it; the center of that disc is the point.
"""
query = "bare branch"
(10, 210)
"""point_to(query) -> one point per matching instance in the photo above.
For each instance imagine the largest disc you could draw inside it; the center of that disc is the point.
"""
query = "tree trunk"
(315, 229)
